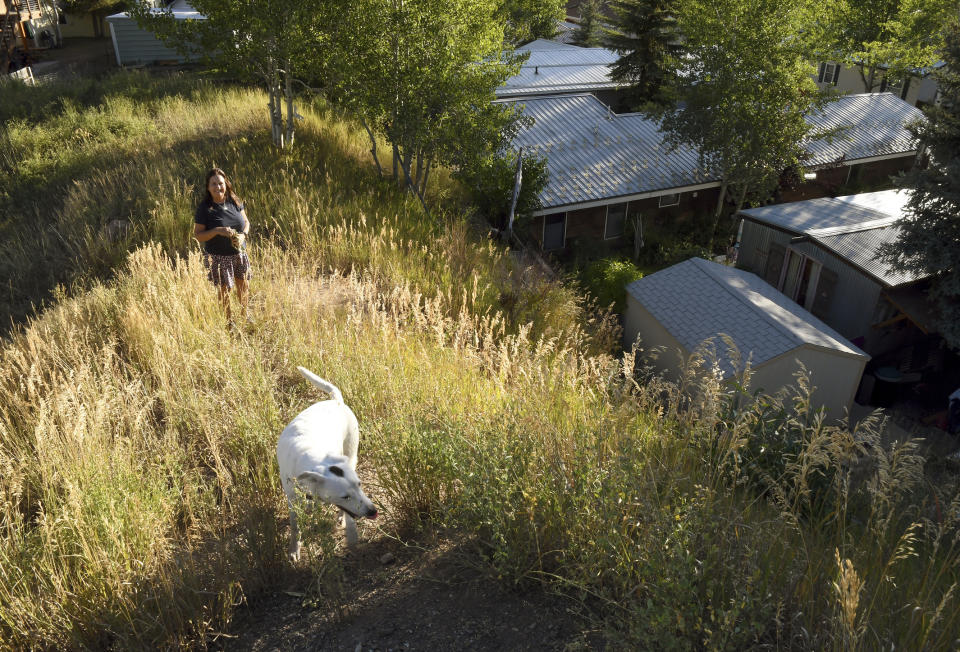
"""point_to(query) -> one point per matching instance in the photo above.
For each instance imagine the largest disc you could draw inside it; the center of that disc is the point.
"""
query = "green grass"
(139, 498)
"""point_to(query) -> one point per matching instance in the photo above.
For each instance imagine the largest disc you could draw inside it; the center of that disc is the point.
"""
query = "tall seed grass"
(139, 502)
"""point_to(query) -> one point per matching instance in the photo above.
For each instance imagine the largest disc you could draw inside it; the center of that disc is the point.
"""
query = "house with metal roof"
(917, 89)
(823, 254)
(135, 46)
(553, 68)
(607, 169)
(675, 311)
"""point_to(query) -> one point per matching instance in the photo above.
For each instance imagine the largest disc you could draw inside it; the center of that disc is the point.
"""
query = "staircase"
(14, 11)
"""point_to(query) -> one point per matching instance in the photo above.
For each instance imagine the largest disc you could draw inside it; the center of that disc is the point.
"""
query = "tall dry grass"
(139, 502)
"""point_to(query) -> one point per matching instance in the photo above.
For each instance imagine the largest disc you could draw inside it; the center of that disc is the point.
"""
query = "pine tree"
(588, 35)
(646, 36)
(929, 240)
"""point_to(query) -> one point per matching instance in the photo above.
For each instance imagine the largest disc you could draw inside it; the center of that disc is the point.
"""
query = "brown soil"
(396, 596)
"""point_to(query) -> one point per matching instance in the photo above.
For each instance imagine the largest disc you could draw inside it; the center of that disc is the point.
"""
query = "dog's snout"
(372, 513)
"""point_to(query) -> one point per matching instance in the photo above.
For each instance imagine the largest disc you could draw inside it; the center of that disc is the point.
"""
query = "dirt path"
(401, 597)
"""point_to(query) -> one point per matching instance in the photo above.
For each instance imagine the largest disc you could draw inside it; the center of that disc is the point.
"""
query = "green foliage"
(527, 20)
(491, 183)
(928, 243)
(744, 87)
(886, 38)
(606, 278)
(647, 37)
(588, 33)
(422, 73)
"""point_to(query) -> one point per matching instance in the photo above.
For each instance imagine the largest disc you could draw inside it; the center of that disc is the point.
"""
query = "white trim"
(624, 198)
(883, 157)
(543, 231)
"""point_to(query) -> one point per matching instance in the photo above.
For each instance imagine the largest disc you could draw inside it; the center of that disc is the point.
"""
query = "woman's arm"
(202, 233)
(246, 222)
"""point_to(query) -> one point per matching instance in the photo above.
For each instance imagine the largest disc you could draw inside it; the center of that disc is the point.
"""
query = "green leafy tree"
(589, 33)
(422, 74)
(743, 89)
(646, 35)
(270, 41)
(929, 239)
(886, 38)
(526, 20)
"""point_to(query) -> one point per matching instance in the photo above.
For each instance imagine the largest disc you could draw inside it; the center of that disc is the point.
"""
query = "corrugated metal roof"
(871, 124)
(697, 300)
(594, 154)
(566, 30)
(560, 68)
(852, 227)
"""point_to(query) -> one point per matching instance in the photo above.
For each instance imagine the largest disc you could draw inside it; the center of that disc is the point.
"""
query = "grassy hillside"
(139, 499)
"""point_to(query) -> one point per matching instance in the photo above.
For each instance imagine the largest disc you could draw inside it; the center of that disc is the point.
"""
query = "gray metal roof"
(593, 154)
(697, 300)
(852, 227)
(566, 30)
(872, 124)
(555, 67)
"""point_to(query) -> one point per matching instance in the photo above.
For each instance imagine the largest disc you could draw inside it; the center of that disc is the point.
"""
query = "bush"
(605, 280)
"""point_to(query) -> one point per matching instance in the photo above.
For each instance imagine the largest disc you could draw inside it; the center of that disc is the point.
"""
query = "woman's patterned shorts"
(223, 270)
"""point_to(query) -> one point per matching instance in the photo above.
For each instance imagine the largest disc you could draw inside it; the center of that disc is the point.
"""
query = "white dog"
(317, 452)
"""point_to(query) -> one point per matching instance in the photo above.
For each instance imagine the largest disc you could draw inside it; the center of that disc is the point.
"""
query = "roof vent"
(536, 70)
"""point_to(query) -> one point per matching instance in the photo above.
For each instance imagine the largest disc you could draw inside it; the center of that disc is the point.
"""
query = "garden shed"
(674, 311)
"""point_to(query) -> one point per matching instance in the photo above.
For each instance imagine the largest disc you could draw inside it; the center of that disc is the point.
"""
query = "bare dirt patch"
(396, 596)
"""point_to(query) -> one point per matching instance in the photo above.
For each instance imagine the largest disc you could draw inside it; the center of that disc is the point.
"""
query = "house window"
(669, 200)
(892, 85)
(554, 231)
(616, 218)
(829, 73)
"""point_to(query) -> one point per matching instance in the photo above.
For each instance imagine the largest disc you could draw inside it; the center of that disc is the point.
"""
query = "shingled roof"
(698, 300)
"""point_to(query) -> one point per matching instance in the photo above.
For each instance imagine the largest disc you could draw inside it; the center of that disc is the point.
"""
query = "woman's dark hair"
(232, 196)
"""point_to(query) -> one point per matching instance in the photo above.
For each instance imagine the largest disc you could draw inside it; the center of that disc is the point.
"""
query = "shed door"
(554, 226)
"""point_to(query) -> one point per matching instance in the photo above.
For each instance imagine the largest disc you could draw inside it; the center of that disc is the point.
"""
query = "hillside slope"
(139, 498)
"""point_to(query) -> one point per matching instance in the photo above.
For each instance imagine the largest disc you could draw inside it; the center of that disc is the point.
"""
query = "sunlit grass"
(139, 501)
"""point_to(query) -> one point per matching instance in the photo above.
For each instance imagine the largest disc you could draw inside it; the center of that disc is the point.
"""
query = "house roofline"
(623, 198)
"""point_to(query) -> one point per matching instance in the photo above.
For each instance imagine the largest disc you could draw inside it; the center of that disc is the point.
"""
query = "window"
(829, 73)
(554, 231)
(891, 85)
(669, 200)
(616, 218)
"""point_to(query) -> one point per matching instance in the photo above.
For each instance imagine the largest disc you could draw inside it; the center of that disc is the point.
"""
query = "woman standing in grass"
(221, 224)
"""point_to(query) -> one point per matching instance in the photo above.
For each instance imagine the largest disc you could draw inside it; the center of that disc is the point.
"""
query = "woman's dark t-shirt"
(211, 215)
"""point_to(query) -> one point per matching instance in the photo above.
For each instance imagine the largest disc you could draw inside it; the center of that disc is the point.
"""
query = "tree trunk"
(373, 146)
(743, 197)
(637, 236)
(406, 174)
(426, 176)
(716, 215)
(288, 91)
(396, 164)
(416, 176)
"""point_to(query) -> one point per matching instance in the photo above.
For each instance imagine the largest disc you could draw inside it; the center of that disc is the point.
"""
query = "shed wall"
(833, 376)
(638, 322)
(855, 296)
(135, 46)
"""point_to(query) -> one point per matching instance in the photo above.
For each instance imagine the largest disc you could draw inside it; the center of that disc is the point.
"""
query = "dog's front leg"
(350, 529)
(293, 550)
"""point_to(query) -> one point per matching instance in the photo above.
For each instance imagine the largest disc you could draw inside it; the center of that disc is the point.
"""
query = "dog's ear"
(336, 470)
(311, 475)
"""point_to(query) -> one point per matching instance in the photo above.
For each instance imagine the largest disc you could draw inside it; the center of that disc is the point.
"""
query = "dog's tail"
(329, 388)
